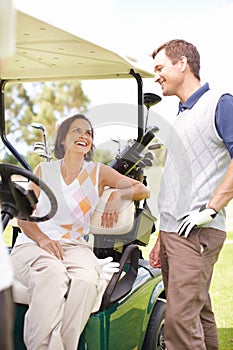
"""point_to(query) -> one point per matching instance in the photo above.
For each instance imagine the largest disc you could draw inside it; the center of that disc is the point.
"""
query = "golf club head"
(149, 155)
(155, 146)
(153, 129)
(145, 162)
(38, 126)
(151, 99)
(39, 147)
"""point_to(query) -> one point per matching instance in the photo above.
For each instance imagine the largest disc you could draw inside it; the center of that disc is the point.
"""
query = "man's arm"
(224, 126)
(207, 212)
(224, 193)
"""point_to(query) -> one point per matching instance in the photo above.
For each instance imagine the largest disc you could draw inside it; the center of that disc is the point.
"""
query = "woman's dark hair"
(59, 150)
(176, 48)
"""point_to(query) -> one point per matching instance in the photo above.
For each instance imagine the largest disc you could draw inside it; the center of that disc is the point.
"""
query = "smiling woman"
(58, 250)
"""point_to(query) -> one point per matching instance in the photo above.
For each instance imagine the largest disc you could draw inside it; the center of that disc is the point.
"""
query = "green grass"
(7, 236)
(221, 291)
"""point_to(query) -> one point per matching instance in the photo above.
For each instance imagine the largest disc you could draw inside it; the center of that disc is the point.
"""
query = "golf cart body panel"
(123, 325)
(45, 52)
(125, 320)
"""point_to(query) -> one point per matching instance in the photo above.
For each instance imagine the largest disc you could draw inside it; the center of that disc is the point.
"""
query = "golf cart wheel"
(154, 339)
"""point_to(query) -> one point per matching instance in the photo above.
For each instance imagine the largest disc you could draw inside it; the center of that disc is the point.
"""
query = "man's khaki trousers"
(187, 266)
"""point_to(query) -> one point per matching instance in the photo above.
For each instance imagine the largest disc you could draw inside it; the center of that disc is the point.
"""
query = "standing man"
(7, 47)
(197, 185)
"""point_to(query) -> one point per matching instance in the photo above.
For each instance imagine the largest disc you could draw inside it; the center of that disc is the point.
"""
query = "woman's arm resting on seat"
(126, 188)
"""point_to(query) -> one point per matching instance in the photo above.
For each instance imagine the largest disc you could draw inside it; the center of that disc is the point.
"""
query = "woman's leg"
(47, 281)
(83, 270)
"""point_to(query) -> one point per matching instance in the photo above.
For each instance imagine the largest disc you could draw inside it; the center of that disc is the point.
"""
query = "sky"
(138, 27)
(135, 28)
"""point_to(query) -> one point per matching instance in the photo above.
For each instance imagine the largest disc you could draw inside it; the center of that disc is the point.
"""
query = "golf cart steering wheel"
(19, 202)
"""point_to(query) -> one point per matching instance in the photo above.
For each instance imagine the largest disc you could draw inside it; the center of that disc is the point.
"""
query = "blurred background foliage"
(43, 103)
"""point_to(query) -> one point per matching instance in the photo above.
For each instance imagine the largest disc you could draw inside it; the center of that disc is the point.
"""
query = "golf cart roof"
(46, 52)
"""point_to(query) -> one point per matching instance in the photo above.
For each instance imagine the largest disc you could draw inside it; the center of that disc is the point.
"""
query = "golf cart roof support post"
(3, 131)
(138, 78)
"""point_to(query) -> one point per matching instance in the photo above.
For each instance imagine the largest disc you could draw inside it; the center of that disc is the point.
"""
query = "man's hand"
(108, 267)
(155, 255)
(196, 218)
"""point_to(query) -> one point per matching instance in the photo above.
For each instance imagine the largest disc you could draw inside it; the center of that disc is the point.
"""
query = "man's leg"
(212, 246)
(209, 326)
(188, 272)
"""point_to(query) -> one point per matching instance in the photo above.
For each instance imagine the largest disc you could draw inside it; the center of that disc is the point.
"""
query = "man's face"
(167, 74)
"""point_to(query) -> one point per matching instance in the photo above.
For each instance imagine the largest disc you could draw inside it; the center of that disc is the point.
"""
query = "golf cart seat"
(120, 284)
(125, 219)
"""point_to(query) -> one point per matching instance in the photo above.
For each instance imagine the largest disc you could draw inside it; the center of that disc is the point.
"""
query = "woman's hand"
(52, 247)
(111, 210)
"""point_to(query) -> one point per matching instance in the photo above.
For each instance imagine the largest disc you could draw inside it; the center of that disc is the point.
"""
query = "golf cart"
(131, 315)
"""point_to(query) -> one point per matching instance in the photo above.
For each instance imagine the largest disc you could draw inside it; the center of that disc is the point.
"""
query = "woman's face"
(79, 137)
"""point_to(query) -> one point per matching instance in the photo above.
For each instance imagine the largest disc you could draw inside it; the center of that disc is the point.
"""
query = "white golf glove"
(108, 267)
(196, 218)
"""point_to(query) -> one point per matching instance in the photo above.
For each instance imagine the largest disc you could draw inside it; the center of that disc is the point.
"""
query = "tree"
(44, 103)
(103, 156)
